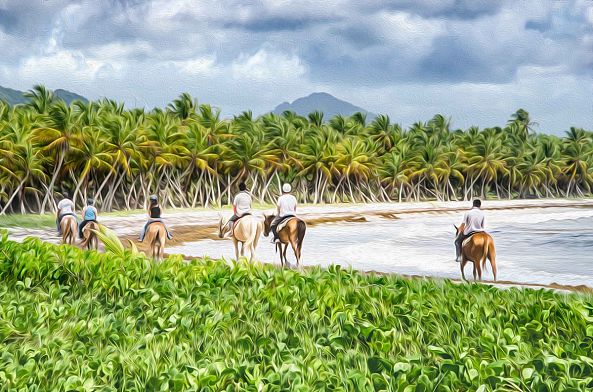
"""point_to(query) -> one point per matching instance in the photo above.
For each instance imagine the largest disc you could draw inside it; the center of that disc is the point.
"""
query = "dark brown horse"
(292, 233)
(477, 248)
(89, 236)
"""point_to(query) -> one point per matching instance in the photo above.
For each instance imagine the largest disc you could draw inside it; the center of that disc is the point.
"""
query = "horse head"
(459, 229)
(268, 219)
(222, 226)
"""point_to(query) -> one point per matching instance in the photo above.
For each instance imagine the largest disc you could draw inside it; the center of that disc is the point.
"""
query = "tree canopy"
(191, 156)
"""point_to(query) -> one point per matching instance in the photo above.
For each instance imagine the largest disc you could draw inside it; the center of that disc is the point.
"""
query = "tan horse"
(156, 235)
(477, 249)
(69, 227)
(292, 233)
(246, 231)
(89, 235)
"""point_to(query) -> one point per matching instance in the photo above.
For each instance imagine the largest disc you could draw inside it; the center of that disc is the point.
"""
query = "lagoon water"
(534, 245)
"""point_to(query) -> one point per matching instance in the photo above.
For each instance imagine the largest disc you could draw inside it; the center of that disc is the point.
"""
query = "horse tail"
(492, 257)
(258, 231)
(301, 229)
(485, 254)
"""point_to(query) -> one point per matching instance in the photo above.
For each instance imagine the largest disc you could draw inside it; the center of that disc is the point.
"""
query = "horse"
(156, 234)
(292, 233)
(246, 231)
(69, 228)
(89, 236)
(477, 248)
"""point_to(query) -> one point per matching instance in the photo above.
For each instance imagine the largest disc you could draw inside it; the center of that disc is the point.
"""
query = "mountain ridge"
(14, 97)
(323, 102)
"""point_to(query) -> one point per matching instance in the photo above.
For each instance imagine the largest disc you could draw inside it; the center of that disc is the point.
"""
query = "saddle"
(470, 235)
(283, 222)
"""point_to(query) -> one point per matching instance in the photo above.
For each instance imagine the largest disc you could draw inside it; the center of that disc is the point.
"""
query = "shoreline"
(191, 226)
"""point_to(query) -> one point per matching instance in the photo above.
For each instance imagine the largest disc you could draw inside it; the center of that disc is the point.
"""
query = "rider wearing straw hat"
(287, 205)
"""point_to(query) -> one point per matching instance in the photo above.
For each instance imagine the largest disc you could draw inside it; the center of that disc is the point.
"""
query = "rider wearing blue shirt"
(89, 214)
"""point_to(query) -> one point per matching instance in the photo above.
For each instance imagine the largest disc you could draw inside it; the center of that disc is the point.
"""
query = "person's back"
(474, 221)
(242, 203)
(287, 204)
(66, 206)
(155, 211)
(89, 213)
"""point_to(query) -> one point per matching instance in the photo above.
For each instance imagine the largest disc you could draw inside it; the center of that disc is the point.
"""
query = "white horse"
(246, 231)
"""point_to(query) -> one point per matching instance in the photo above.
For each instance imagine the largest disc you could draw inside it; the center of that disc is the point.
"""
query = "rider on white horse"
(241, 207)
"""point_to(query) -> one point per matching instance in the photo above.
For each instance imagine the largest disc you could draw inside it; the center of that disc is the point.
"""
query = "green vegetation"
(82, 321)
(192, 157)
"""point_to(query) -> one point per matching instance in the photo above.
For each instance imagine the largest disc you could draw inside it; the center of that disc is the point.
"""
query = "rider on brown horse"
(154, 214)
(287, 205)
(474, 223)
(65, 207)
(89, 214)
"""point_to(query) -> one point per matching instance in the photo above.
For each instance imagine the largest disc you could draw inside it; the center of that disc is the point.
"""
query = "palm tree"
(60, 132)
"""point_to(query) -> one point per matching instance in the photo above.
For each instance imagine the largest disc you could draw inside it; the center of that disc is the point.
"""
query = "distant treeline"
(191, 157)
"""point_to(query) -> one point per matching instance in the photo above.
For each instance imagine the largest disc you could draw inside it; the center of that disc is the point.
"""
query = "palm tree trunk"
(9, 202)
(53, 180)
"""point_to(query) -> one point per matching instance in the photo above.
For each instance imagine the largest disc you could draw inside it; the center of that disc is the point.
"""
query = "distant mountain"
(323, 102)
(14, 97)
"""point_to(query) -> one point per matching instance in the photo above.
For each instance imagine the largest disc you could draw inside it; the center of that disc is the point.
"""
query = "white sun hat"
(286, 188)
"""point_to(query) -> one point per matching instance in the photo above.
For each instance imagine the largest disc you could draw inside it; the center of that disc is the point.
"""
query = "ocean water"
(534, 245)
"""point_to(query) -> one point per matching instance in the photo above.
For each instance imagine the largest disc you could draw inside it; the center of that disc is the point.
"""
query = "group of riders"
(242, 206)
(472, 243)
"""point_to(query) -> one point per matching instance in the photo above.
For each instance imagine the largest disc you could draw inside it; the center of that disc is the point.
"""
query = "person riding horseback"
(154, 214)
(241, 207)
(89, 214)
(65, 207)
(286, 207)
(474, 223)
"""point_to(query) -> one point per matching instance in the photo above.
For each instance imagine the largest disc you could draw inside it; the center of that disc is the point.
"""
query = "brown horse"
(69, 228)
(89, 236)
(477, 248)
(292, 233)
(156, 234)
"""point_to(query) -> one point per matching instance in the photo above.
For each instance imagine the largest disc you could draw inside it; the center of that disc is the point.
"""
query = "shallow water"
(535, 245)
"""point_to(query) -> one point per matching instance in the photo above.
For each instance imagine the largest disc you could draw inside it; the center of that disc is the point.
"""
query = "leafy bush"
(72, 320)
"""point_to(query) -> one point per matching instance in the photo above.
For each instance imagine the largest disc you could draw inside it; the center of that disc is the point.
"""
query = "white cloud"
(266, 65)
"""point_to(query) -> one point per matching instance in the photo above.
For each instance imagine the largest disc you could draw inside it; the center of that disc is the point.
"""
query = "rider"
(287, 205)
(89, 214)
(474, 223)
(241, 206)
(65, 207)
(154, 214)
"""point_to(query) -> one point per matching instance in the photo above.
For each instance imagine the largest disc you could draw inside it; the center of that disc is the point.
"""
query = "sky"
(476, 61)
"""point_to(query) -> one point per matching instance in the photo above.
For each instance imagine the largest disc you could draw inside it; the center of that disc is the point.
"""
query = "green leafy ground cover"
(81, 321)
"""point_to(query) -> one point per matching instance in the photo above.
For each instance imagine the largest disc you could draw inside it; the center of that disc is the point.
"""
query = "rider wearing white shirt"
(473, 223)
(65, 207)
(287, 205)
(241, 206)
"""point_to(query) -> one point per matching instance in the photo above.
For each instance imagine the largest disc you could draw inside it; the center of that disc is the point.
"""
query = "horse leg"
(284, 255)
(236, 245)
(295, 250)
(462, 265)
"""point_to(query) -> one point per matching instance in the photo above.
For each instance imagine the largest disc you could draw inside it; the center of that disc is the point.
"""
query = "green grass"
(82, 321)
(29, 221)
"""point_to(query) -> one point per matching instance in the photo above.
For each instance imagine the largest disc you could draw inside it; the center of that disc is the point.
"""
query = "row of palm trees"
(191, 157)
